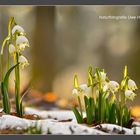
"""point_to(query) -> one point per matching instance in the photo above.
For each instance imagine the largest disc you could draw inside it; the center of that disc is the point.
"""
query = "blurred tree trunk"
(44, 48)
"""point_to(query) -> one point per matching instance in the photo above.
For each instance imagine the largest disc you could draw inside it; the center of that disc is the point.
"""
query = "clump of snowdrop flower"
(17, 42)
(104, 100)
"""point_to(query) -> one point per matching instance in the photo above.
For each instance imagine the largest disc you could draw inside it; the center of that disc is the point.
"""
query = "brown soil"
(25, 116)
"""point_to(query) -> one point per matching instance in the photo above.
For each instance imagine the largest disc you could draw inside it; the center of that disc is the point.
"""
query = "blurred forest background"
(66, 39)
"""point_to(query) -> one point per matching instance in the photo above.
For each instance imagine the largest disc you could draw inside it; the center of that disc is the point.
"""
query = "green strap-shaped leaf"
(5, 99)
(6, 78)
(4, 90)
(98, 74)
(89, 105)
(77, 115)
(21, 100)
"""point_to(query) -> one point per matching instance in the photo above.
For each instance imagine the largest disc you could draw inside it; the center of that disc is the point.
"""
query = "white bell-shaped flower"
(23, 61)
(103, 76)
(132, 85)
(85, 88)
(75, 92)
(105, 87)
(21, 43)
(17, 28)
(12, 49)
(129, 94)
(113, 86)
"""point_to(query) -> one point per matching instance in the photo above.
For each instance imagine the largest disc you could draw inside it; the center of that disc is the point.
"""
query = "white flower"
(23, 61)
(132, 85)
(85, 89)
(129, 94)
(113, 86)
(75, 92)
(105, 87)
(17, 28)
(103, 76)
(12, 49)
(22, 42)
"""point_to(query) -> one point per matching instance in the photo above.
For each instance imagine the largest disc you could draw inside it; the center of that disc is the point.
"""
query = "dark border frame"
(69, 2)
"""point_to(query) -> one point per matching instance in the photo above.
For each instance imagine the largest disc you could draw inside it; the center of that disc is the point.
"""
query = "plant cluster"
(104, 100)
(14, 45)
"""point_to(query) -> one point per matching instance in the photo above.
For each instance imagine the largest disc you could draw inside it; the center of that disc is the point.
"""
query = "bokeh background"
(66, 39)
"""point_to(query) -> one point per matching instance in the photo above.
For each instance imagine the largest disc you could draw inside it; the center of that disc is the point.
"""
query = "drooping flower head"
(17, 28)
(83, 89)
(113, 86)
(129, 94)
(132, 85)
(21, 43)
(23, 61)
(12, 49)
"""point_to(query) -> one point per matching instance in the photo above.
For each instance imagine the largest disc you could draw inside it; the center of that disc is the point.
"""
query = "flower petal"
(17, 28)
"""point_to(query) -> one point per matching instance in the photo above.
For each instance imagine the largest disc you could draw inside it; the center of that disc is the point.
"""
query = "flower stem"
(80, 105)
(17, 85)
(1, 65)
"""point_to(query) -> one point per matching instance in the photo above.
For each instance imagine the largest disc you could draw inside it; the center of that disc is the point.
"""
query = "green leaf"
(77, 115)
(90, 80)
(107, 111)
(76, 85)
(100, 106)
(98, 74)
(4, 90)
(113, 114)
(6, 78)
(5, 99)
(21, 100)
(89, 105)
